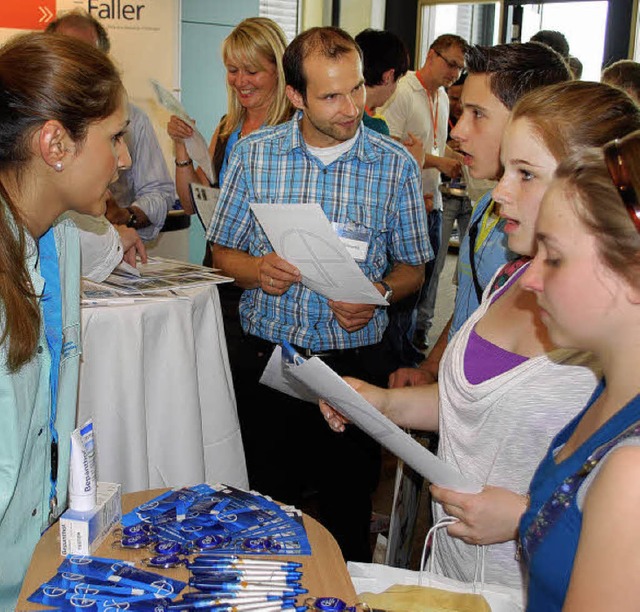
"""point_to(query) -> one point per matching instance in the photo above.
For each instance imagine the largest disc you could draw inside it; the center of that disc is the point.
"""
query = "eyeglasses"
(620, 176)
(448, 62)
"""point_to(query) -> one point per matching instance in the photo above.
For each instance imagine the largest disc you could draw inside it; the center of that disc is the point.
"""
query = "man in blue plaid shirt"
(367, 185)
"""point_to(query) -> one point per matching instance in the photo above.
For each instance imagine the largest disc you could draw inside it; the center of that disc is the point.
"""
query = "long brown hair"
(600, 206)
(42, 77)
(577, 114)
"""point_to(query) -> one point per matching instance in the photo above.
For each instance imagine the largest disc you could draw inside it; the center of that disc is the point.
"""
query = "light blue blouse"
(28, 421)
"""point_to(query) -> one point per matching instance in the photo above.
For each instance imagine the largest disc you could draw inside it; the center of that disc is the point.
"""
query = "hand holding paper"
(488, 517)
(196, 144)
(373, 394)
(315, 380)
(352, 317)
(302, 234)
(276, 275)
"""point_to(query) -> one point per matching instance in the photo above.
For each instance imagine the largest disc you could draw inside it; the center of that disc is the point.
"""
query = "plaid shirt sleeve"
(409, 238)
(232, 222)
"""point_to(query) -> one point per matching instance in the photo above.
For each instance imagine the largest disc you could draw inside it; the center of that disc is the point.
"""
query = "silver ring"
(271, 281)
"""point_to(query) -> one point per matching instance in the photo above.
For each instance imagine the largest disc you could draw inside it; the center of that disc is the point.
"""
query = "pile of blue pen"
(217, 518)
(224, 584)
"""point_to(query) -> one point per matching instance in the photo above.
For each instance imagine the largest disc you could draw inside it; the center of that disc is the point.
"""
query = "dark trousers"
(423, 318)
(289, 448)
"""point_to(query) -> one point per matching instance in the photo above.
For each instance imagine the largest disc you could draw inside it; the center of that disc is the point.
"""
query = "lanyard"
(477, 236)
(434, 115)
(489, 221)
(52, 311)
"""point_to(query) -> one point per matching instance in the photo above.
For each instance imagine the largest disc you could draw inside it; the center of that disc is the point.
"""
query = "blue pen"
(229, 571)
(226, 579)
(211, 605)
(236, 569)
(237, 578)
(237, 597)
(233, 584)
(273, 565)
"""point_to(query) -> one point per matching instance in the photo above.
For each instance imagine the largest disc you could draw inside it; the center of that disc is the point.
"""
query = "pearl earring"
(58, 166)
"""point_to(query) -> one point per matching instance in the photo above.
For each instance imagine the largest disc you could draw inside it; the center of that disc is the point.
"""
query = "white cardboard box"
(82, 532)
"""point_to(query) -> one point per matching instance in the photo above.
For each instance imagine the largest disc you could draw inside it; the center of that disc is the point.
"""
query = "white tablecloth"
(155, 379)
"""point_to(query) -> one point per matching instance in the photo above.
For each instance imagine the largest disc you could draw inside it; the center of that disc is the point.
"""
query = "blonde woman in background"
(252, 55)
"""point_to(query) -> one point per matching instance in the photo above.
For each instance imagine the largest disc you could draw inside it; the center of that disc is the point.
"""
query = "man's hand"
(115, 214)
(352, 317)
(415, 146)
(410, 377)
(488, 517)
(120, 216)
(449, 166)
(428, 202)
(276, 275)
(132, 245)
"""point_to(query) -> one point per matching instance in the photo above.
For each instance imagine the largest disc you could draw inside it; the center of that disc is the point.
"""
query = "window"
(585, 42)
(284, 12)
(477, 23)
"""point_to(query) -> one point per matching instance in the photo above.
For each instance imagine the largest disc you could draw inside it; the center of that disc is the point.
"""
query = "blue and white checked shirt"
(375, 185)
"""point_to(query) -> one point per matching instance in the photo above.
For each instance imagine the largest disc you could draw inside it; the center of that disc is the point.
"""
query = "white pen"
(214, 558)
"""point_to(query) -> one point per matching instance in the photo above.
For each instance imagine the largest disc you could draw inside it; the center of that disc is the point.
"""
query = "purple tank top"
(483, 359)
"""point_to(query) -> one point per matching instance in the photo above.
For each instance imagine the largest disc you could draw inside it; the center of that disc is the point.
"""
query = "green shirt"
(377, 124)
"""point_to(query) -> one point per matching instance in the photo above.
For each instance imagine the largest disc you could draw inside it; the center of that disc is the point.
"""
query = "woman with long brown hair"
(63, 113)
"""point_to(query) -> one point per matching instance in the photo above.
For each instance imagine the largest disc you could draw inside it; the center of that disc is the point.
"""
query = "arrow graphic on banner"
(47, 14)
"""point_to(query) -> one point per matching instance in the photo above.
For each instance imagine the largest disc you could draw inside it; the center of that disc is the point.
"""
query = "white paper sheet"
(196, 145)
(302, 234)
(314, 380)
(204, 200)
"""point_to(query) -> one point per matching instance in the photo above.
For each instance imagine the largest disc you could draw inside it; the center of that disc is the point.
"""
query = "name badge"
(355, 238)
(435, 151)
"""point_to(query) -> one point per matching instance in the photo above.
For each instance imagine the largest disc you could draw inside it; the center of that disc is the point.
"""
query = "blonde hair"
(598, 203)
(253, 41)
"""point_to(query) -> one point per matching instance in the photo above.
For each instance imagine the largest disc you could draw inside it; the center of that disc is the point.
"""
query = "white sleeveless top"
(498, 431)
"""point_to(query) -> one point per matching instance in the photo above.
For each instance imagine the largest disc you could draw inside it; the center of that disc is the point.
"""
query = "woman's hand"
(178, 129)
(376, 396)
(488, 517)
(333, 418)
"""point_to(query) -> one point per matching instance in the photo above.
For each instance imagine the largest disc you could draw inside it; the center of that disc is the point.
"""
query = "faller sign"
(27, 14)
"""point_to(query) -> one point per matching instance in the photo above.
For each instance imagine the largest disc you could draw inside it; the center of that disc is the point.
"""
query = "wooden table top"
(324, 571)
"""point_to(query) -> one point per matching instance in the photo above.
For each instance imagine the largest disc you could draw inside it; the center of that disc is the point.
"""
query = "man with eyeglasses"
(421, 106)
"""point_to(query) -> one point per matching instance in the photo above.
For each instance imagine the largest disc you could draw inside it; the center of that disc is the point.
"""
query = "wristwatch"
(133, 219)
(388, 290)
